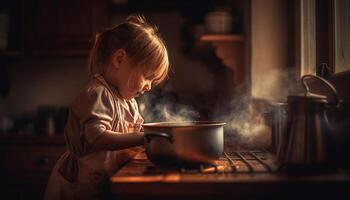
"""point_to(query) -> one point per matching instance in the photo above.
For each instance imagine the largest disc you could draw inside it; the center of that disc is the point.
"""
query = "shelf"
(10, 53)
(58, 53)
(42, 54)
(222, 37)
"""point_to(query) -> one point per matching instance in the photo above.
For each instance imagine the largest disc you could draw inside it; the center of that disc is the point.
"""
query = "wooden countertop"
(131, 182)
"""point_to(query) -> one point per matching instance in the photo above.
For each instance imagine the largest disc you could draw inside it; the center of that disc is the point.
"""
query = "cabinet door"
(62, 26)
(31, 158)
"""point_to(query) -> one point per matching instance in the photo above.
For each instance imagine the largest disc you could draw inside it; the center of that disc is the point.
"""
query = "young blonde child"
(104, 125)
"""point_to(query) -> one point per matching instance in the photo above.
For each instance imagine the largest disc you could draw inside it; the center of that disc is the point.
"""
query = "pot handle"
(328, 84)
(167, 136)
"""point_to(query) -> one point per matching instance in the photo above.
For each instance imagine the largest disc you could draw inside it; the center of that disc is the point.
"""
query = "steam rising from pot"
(165, 108)
(246, 117)
(244, 124)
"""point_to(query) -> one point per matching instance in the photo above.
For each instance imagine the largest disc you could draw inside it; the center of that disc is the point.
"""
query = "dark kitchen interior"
(275, 71)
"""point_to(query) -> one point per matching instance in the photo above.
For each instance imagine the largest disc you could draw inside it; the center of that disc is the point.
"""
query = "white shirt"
(81, 173)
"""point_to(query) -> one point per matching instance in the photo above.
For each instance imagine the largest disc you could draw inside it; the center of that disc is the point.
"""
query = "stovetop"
(248, 174)
(247, 161)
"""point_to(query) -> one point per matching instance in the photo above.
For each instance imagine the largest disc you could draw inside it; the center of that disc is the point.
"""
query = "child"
(104, 124)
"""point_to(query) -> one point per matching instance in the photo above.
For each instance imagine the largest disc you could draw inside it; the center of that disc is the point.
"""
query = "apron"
(82, 173)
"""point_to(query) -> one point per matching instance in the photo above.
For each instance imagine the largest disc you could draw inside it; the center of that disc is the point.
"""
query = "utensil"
(184, 143)
(308, 139)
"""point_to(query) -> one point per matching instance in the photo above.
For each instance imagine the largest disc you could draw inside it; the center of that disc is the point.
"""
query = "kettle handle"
(328, 84)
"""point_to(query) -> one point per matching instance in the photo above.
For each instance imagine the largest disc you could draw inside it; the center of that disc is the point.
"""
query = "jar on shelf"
(218, 22)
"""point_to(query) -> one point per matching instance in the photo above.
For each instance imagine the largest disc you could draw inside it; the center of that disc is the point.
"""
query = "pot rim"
(183, 124)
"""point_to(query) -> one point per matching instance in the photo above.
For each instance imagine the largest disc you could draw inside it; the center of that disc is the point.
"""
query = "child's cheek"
(135, 84)
(138, 85)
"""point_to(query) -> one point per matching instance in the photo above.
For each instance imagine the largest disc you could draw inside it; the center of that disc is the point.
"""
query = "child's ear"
(118, 57)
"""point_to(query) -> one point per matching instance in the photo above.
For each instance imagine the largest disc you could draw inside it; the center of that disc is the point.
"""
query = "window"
(324, 35)
(342, 35)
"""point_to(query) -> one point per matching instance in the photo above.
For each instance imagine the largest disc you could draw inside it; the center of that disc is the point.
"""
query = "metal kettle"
(307, 137)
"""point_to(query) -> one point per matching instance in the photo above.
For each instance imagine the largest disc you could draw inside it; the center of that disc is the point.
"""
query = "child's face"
(130, 80)
(133, 83)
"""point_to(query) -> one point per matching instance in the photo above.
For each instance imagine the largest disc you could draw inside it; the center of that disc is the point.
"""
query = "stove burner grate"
(253, 160)
(247, 161)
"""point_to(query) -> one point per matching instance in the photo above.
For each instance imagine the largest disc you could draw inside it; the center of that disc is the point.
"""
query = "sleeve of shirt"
(95, 112)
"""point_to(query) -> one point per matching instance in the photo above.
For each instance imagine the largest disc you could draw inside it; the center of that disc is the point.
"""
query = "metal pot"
(184, 143)
(308, 139)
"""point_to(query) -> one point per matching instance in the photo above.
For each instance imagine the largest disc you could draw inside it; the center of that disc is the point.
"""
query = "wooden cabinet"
(230, 48)
(26, 163)
(55, 27)
(62, 27)
(233, 49)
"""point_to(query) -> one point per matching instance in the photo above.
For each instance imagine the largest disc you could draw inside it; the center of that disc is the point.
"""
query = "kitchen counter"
(134, 181)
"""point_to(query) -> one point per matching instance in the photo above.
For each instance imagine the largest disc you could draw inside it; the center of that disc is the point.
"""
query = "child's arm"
(111, 140)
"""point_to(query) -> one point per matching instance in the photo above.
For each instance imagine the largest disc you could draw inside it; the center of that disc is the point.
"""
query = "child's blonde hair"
(141, 42)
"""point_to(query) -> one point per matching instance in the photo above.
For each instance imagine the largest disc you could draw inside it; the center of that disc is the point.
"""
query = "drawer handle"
(42, 161)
